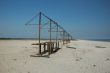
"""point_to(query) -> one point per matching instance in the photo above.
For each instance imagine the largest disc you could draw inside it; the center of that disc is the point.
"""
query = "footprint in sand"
(94, 65)
(14, 59)
(79, 59)
(107, 59)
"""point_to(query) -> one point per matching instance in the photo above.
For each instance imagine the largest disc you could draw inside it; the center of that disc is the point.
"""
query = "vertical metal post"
(39, 32)
(63, 36)
(50, 45)
(56, 36)
(50, 30)
(68, 38)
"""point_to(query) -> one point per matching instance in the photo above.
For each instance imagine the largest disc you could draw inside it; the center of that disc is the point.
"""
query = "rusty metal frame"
(66, 37)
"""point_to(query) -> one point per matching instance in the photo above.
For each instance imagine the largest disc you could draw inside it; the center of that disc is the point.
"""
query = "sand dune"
(79, 56)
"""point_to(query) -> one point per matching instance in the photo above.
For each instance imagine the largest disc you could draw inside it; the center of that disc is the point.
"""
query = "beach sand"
(80, 56)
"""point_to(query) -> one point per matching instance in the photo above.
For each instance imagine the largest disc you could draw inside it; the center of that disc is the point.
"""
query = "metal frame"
(66, 37)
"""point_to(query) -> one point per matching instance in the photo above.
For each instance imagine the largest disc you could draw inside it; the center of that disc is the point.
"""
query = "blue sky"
(83, 19)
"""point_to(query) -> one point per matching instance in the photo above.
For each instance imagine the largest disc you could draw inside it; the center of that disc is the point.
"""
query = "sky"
(83, 19)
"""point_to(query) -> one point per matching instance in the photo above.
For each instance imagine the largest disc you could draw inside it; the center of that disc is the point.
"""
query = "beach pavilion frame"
(50, 46)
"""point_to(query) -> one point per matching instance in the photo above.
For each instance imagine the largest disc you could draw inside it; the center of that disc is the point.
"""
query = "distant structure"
(51, 45)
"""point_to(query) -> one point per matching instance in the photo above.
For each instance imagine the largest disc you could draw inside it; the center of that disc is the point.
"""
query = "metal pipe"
(57, 34)
(50, 30)
(39, 32)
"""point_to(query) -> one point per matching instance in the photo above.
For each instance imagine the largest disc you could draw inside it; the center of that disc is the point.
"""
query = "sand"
(81, 56)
